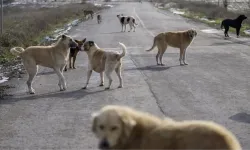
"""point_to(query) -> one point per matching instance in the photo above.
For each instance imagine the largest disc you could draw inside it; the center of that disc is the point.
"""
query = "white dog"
(54, 56)
(124, 20)
(104, 61)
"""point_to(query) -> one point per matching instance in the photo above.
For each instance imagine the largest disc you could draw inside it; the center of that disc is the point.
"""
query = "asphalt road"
(214, 86)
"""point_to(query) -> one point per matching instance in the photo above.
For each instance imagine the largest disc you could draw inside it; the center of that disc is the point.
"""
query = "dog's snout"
(104, 144)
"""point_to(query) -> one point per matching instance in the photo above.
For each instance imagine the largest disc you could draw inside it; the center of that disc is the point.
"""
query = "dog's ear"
(91, 43)
(128, 124)
(84, 40)
(94, 117)
(63, 36)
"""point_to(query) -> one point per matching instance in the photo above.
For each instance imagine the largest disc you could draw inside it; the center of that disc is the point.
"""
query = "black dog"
(234, 23)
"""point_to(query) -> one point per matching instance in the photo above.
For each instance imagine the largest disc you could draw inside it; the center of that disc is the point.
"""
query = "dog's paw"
(162, 64)
(32, 92)
(185, 64)
(74, 67)
(181, 64)
(107, 88)
(84, 87)
(120, 86)
(101, 84)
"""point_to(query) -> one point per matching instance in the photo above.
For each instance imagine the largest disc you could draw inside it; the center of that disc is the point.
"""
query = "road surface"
(214, 86)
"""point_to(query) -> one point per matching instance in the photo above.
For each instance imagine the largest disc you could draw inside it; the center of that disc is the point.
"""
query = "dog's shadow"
(77, 94)
(241, 117)
(152, 68)
(112, 32)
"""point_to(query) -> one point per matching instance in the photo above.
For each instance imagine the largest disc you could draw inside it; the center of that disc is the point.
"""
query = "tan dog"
(121, 127)
(178, 39)
(54, 56)
(104, 61)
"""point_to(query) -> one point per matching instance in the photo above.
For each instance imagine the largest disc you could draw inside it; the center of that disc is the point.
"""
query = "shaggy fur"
(104, 61)
(99, 19)
(124, 20)
(234, 23)
(74, 49)
(121, 127)
(177, 39)
(54, 56)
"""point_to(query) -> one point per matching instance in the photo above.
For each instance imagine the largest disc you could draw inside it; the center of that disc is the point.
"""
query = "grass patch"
(27, 26)
(197, 10)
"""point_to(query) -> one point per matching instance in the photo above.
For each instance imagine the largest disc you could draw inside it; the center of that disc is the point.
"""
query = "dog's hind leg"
(157, 57)
(162, 51)
(102, 79)
(88, 77)
(32, 71)
(226, 31)
(108, 71)
(118, 72)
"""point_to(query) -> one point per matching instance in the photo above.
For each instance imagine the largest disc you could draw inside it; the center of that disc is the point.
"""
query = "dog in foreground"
(74, 49)
(121, 127)
(124, 20)
(177, 39)
(104, 61)
(234, 23)
(54, 56)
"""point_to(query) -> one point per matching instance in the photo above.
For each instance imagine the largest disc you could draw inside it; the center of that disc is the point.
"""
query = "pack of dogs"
(122, 127)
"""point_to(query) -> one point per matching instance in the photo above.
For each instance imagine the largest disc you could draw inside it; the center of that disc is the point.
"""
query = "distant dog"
(54, 56)
(89, 12)
(177, 39)
(74, 49)
(234, 23)
(122, 127)
(99, 19)
(104, 61)
(124, 20)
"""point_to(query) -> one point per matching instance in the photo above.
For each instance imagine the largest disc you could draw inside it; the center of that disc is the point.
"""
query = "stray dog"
(124, 20)
(104, 61)
(54, 56)
(89, 12)
(121, 127)
(177, 39)
(99, 19)
(234, 23)
(74, 49)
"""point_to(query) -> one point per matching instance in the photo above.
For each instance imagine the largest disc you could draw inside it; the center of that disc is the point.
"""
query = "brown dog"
(121, 127)
(74, 49)
(178, 39)
(54, 56)
(104, 61)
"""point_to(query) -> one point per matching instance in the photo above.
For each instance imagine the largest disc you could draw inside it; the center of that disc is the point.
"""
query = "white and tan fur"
(122, 127)
(104, 61)
(54, 56)
(124, 20)
(176, 39)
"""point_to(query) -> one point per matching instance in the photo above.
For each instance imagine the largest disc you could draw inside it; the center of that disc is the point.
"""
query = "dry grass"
(25, 27)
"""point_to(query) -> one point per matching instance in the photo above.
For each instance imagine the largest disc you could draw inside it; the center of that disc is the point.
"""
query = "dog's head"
(80, 44)
(192, 33)
(242, 17)
(120, 15)
(111, 126)
(88, 45)
(67, 40)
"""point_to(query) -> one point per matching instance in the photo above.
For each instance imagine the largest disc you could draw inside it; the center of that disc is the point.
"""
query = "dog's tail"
(17, 50)
(124, 49)
(154, 44)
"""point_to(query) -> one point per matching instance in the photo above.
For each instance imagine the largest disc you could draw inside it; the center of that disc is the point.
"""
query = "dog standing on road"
(104, 61)
(121, 127)
(124, 20)
(177, 39)
(54, 56)
(99, 19)
(234, 23)
(74, 49)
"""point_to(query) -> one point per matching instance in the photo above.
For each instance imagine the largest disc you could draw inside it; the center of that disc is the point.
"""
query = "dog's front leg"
(70, 65)
(181, 55)
(184, 56)
(102, 79)
(238, 32)
(74, 60)
(62, 82)
(88, 77)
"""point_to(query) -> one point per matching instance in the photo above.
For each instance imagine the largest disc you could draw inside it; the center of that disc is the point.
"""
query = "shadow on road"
(152, 68)
(241, 117)
(77, 94)
(112, 32)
